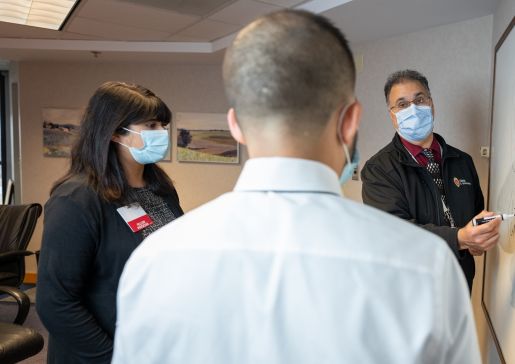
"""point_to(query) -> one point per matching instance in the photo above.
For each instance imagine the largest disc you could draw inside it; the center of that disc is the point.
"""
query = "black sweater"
(395, 183)
(84, 249)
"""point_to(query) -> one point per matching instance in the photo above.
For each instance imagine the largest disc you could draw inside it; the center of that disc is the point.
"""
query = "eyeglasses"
(419, 100)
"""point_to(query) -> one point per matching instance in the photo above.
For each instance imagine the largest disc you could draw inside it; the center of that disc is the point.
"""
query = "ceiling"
(197, 31)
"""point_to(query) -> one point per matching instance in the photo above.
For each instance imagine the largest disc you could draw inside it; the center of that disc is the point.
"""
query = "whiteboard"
(499, 278)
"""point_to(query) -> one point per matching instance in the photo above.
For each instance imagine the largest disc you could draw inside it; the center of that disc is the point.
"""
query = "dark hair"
(290, 64)
(115, 105)
(403, 76)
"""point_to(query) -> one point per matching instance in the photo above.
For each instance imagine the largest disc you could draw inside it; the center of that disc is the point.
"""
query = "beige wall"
(69, 85)
(457, 60)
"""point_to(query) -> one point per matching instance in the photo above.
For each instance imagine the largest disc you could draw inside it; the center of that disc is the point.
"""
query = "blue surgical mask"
(155, 146)
(415, 123)
(350, 164)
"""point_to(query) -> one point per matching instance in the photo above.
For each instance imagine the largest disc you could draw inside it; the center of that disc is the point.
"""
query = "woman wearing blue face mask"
(113, 196)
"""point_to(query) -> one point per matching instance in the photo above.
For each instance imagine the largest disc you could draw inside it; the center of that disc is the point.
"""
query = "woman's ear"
(234, 127)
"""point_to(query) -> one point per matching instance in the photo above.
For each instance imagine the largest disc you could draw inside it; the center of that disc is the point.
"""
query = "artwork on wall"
(204, 137)
(60, 130)
(498, 299)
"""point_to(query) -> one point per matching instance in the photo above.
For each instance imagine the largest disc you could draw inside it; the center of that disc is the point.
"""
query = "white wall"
(502, 17)
(69, 85)
(457, 60)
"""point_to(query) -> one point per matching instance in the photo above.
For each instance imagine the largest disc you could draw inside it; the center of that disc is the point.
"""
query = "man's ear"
(234, 127)
(393, 118)
(350, 122)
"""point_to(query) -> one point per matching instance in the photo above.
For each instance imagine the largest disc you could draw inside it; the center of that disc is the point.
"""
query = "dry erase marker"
(484, 220)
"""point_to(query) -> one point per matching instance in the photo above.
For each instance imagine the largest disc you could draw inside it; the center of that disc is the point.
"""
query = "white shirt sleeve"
(459, 335)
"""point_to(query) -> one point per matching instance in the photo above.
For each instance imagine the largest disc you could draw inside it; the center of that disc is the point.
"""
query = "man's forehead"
(407, 89)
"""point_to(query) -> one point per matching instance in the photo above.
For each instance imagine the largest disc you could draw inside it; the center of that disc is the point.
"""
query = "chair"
(17, 223)
(17, 342)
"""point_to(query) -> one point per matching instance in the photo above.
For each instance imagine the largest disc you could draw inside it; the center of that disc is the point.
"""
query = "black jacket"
(395, 183)
(84, 249)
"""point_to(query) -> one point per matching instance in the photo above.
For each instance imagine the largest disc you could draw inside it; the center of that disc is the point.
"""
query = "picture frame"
(205, 138)
(60, 131)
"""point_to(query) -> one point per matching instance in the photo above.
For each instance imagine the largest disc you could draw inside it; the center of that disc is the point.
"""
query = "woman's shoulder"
(73, 185)
(76, 191)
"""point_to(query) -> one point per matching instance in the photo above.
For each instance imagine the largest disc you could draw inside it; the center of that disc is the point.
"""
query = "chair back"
(17, 342)
(17, 224)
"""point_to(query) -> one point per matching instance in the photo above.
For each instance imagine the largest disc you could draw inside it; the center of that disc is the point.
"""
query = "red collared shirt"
(416, 151)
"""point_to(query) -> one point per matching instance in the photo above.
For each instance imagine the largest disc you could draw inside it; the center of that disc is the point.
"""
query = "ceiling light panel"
(48, 14)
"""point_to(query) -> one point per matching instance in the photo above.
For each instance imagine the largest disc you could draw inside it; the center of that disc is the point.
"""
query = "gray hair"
(403, 76)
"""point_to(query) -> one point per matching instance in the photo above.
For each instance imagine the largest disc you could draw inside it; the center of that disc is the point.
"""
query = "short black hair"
(403, 76)
(292, 66)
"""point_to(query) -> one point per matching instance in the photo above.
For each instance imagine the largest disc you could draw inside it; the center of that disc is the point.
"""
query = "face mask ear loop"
(347, 155)
(340, 136)
(125, 145)
(131, 131)
(134, 132)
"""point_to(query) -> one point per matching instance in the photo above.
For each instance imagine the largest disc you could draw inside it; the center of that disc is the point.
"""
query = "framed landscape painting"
(205, 138)
(60, 130)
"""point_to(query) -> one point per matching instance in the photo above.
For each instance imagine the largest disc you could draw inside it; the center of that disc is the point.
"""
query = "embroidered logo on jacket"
(461, 182)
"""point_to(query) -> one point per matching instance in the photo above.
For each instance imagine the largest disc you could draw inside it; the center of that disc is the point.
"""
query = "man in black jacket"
(418, 177)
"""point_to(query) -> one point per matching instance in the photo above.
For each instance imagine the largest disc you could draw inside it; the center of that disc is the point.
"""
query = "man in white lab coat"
(284, 269)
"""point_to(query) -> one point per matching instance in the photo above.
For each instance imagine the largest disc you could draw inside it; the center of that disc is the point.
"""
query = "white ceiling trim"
(106, 46)
(315, 6)
(223, 43)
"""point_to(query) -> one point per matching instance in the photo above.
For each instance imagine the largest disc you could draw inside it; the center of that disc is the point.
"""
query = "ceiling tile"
(134, 15)
(243, 11)
(77, 36)
(209, 30)
(10, 30)
(283, 3)
(114, 31)
(193, 7)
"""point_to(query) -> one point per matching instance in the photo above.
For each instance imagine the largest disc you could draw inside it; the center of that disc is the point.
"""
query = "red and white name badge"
(135, 217)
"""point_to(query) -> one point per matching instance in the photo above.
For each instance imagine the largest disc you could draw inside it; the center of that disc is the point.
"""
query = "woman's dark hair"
(113, 106)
